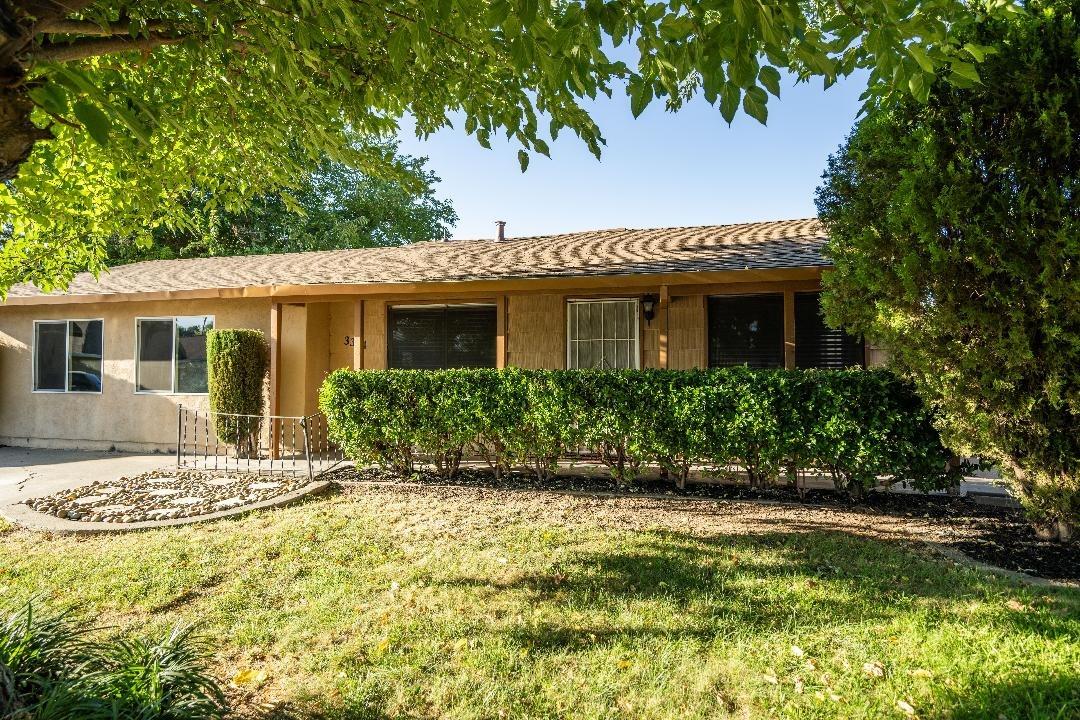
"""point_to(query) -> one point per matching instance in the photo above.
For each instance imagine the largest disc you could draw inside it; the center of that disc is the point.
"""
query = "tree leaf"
(919, 54)
(770, 78)
(523, 160)
(95, 121)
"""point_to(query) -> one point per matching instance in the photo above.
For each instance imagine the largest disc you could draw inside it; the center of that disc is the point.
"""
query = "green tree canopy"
(333, 206)
(955, 230)
(110, 110)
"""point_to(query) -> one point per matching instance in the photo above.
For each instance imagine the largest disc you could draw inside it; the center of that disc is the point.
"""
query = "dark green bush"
(237, 364)
(857, 426)
(49, 670)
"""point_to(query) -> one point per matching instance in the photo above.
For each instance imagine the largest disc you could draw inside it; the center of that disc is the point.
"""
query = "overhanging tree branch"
(94, 47)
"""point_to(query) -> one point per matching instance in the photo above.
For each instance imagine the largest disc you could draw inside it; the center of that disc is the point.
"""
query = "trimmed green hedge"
(855, 425)
(237, 363)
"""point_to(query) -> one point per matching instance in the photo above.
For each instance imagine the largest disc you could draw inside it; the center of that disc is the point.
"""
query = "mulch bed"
(994, 535)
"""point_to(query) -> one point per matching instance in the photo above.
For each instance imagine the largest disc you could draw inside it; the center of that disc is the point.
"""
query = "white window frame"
(67, 356)
(635, 322)
(172, 370)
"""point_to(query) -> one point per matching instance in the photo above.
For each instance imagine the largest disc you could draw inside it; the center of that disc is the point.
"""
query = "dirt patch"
(993, 535)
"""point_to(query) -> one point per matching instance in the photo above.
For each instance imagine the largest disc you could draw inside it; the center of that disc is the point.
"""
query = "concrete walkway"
(27, 473)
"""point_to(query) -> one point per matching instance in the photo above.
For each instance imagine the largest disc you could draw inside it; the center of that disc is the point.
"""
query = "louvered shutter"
(746, 330)
(819, 346)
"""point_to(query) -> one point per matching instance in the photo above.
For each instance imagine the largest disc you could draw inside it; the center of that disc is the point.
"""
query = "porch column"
(275, 373)
(500, 332)
(662, 326)
(789, 329)
(358, 335)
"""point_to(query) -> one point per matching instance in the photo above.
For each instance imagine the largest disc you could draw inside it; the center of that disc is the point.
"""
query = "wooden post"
(500, 332)
(275, 373)
(358, 336)
(789, 329)
(703, 340)
(662, 326)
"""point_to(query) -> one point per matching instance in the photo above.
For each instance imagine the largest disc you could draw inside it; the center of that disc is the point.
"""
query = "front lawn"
(399, 602)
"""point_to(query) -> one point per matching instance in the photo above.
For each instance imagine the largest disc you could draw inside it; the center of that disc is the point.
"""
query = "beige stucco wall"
(118, 417)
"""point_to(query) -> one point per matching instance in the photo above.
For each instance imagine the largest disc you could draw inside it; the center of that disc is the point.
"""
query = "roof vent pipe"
(502, 230)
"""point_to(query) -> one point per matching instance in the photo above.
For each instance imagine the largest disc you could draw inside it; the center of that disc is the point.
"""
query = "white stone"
(264, 486)
(230, 502)
(113, 508)
(89, 499)
(163, 492)
(186, 501)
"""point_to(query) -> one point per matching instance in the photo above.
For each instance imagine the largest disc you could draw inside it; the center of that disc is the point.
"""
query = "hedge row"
(855, 425)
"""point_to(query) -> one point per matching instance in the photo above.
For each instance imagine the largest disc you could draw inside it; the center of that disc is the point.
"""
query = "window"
(67, 356)
(816, 344)
(746, 330)
(602, 334)
(171, 354)
(432, 337)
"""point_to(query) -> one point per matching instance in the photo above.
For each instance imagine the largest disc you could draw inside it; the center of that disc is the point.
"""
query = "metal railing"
(259, 444)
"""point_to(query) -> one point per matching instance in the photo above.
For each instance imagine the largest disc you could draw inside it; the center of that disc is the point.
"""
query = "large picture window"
(746, 330)
(434, 337)
(67, 356)
(602, 334)
(171, 354)
(819, 346)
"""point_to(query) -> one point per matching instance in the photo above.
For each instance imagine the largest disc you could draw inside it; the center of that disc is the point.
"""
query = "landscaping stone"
(163, 494)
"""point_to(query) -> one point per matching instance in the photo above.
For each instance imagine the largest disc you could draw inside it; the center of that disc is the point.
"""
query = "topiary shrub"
(237, 364)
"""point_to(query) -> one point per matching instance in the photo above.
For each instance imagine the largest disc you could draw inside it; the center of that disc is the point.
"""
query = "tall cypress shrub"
(238, 361)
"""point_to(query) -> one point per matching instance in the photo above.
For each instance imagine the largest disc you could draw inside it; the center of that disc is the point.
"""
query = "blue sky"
(662, 169)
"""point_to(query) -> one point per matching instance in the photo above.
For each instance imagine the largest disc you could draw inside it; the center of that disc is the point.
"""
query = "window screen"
(816, 344)
(67, 355)
(602, 334)
(746, 330)
(172, 354)
(436, 337)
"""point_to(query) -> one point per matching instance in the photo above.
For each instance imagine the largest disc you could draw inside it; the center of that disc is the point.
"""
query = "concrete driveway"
(27, 473)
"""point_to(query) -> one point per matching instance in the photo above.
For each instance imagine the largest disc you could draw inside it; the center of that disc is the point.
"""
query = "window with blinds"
(602, 334)
(746, 330)
(436, 337)
(819, 346)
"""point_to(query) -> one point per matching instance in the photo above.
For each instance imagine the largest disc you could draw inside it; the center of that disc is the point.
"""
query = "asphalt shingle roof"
(779, 244)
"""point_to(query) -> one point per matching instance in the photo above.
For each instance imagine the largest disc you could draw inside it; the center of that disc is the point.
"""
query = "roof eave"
(499, 285)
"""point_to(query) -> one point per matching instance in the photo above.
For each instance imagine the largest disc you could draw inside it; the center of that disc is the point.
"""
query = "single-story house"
(105, 363)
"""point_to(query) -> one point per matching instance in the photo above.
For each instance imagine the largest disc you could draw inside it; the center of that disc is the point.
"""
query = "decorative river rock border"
(164, 495)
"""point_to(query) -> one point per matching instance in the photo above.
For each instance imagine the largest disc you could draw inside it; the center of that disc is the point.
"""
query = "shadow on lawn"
(825, 579)
(757, 584)
(1048, 698)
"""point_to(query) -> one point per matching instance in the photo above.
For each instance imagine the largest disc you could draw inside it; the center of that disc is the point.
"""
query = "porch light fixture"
(648, 306)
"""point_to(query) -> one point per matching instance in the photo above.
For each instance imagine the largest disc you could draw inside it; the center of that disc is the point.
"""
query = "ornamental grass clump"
(50, 669)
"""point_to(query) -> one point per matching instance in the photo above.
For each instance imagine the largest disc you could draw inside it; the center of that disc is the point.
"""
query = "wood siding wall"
(536, 331)
(687, 333)
(375, 335)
